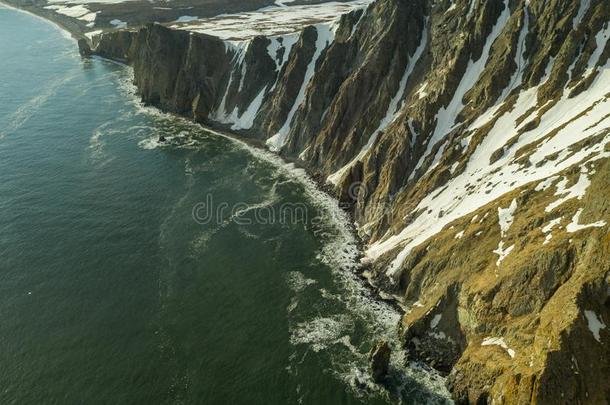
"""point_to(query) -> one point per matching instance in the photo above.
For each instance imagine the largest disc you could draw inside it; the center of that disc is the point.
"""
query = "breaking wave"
(375, 319)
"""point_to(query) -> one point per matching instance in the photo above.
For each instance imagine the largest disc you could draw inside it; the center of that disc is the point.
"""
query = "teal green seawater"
(113, 292)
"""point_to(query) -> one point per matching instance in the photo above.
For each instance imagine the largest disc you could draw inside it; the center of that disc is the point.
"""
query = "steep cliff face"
(471, 140)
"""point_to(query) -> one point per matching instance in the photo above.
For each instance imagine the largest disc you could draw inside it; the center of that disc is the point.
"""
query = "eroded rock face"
(380, 361)
(478, 133)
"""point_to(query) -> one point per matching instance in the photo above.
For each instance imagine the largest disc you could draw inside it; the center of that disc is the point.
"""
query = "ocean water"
(139, 272)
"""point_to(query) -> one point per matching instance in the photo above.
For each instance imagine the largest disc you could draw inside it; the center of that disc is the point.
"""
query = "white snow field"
(270, 21)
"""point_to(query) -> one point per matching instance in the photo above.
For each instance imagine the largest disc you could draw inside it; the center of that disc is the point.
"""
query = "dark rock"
(379, 357)
(497, 155)
(83, 48)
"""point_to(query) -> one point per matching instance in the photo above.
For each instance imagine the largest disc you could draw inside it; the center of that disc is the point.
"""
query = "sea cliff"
(471, 142)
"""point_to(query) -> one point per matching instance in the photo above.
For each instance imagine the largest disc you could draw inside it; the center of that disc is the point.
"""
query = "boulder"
(379, 358)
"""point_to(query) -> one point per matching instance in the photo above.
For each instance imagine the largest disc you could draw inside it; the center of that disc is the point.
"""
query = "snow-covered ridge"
(284, 42)
(495, 341)
(270, 21)
(79, 12)
(282, 25)
(278, 19)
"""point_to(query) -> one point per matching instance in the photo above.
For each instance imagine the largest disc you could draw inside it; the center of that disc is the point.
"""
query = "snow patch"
(578, 191)
(282, 3)
(186, 18)
(506, 217)
(569, 120)
(278, 43)
(434, 322)
(271, 21)
(446, 116)
(92, 34)
(574, 226)
(520, 61)
(546, 183)
(582, 10)
(495, 341)
(246, 120)
(421, 92)
(502, 253)
(594, 324)
(79, 12)
(548, 228)
(325, 37)
(601, 38)
(118, 23)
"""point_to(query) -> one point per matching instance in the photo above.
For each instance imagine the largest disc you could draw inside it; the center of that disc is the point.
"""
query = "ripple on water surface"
(128, 291)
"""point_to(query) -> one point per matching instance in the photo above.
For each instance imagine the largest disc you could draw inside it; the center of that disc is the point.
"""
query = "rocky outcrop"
(472, 139)
(515, 332)
(379, 357)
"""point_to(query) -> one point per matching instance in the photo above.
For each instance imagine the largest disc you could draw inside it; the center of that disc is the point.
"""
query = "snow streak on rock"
(447, 116)
(325, 37)
(562, 126)
(392, 112)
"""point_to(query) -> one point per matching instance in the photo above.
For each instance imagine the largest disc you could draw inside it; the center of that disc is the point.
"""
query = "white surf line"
(339, 218)
(340, 253)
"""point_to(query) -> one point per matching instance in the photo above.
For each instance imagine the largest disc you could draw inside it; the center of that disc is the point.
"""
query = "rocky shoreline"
(470, 142)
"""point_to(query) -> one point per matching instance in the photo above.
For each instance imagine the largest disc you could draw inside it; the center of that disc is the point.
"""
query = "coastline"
(95, 135)
(355, 272)
(447, 277)
(315, 188)
(361, 270)
(50, 18)
(258, 149)
(259, 145)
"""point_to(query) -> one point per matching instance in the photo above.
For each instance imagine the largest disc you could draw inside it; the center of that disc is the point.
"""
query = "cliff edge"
(471, 141)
